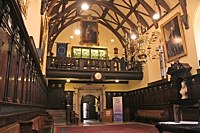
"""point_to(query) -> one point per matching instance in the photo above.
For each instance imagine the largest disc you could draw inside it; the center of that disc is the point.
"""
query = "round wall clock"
(98, 76)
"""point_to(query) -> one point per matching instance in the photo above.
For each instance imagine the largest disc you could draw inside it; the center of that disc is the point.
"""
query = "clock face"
(98, 76)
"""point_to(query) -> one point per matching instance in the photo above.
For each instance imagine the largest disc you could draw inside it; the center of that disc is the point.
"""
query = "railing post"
(81, 63)
(112, 67)
(48, 61)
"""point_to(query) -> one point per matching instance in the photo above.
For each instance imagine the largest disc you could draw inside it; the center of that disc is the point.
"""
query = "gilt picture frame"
(89, 32)
(174, 40)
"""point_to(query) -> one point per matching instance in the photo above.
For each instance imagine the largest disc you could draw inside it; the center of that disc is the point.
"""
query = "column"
(75, 101)
(104, 99)
(6, 92)
(15, 98)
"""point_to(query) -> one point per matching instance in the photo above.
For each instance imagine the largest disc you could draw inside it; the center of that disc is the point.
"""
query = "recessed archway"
(90, 108)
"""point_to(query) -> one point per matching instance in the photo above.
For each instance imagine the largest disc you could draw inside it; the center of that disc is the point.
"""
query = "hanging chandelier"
(138, 45)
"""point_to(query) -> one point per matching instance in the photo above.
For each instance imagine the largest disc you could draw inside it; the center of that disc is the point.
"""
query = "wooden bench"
(152, 114)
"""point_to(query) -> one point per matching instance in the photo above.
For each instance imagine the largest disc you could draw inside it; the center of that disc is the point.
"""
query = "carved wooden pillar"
(68, 109)
(4, 31)
(33, 87)
(23, 76)
(3, 54)
(15, 96)
(27, 79)
(9, 58)
(39, 92)
(104, 99)
(36, 89)
(30, 82)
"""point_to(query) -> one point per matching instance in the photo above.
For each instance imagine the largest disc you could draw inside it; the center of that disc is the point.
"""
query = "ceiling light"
(84, 6)
(68, 80)
(77, 32)
(71, 37)
(133, 36)
(112, 40)
(156, 16)
(117, 81)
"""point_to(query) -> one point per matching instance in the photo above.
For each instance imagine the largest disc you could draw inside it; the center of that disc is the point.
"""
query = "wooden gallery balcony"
(86, 68)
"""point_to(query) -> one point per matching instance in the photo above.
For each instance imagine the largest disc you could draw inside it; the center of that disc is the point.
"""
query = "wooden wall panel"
(20, 80)
(157, 97)
(3, 69)
(12, 74)
(57, 95)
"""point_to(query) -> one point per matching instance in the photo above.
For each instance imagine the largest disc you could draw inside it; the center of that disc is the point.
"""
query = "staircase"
(59, 116)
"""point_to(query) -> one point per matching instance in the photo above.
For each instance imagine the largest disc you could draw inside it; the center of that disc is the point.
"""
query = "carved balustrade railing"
(23, 89)
(70, 63)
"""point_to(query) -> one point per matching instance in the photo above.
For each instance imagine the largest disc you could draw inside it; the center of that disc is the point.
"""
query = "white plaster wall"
(33, 20)
(196, 28)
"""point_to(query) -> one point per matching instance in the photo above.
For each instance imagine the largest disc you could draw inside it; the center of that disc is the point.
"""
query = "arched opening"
(90, 108)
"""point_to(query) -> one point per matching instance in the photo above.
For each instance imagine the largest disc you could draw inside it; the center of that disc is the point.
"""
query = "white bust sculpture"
(183, 90)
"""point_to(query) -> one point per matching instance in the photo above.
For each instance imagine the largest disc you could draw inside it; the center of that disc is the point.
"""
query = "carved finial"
(184, 17)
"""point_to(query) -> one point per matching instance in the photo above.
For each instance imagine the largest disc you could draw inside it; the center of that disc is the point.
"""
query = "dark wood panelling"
(12, 74)
(18, 59)
(57, 96)
(156, 98)
(3, 69)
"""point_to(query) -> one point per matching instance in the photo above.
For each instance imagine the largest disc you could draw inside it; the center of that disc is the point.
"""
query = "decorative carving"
(44, 6)
(184, 17)
(3, 37)
(179, 70)
(24, 7)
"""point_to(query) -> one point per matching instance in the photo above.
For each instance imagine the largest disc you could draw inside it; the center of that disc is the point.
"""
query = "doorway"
(90, 108)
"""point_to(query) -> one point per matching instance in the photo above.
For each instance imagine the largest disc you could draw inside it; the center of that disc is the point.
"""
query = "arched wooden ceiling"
(119, 16)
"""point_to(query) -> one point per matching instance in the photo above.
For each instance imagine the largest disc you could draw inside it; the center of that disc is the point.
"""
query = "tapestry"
(62, 49)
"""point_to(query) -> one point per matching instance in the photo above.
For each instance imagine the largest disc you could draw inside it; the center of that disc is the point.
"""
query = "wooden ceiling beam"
(150, 11)
(184, 17)
(117, 11)
(141, 19)
(105, 12)
(163, 4)
(51, 5)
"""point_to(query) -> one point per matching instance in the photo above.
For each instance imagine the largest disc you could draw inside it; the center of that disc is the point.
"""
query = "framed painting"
(85, 53)
(102, 54)
(174, 40)
(89, 32)
(94, 53)
(76, 53)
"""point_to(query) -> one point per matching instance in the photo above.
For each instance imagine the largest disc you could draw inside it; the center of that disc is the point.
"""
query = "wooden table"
(178, 128)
